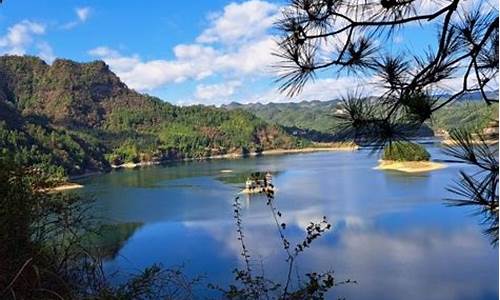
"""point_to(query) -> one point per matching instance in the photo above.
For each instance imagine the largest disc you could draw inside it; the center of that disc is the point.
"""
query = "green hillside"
(313, 115)
(473, 116)
(72, 118)
(315, 120)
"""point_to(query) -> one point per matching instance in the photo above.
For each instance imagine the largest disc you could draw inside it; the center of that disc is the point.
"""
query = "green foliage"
(52, 248)
(311, 120)
(127, 152)
(32, 224)
(315, 120)
(183, 137)
(314, 115)
(471, 116)
(57, 152)
(405, 151)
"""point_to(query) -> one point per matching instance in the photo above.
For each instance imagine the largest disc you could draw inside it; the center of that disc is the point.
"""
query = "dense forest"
(469, 115)
(69, 118)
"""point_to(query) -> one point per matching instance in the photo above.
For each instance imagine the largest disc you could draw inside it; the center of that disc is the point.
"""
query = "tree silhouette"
(347, 37)
(479, 189)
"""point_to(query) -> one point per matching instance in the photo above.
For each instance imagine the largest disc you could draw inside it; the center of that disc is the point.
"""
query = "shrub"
(127, 152)
(405, 151)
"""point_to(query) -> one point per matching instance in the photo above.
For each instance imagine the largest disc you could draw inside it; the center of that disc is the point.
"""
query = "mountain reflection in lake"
(391, 232)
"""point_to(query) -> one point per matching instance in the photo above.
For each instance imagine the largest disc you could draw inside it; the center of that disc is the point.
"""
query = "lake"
(391, 232)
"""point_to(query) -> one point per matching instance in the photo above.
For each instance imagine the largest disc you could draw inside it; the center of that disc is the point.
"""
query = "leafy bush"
(128, 152)
(405, 151)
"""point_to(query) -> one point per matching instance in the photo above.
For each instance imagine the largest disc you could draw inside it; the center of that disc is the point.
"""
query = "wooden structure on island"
(257, 183)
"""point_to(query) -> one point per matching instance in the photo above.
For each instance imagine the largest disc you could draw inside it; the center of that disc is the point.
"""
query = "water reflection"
(108, 239)
(386, 265)
(390, 232)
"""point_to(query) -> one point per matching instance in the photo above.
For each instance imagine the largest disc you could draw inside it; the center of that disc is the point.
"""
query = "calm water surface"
(391, 231)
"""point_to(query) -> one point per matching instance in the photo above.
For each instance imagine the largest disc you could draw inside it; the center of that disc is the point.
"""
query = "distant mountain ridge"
(475, 96)
(74, 118)
(470, 96)
(315, 119)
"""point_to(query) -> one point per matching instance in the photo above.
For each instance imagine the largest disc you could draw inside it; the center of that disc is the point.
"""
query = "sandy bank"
(342, 147)
(323, 147)
(131, 165)
(450, 142)
(409, 166)
(64, 187)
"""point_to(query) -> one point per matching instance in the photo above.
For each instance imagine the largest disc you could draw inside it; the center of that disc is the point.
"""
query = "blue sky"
(190, 51)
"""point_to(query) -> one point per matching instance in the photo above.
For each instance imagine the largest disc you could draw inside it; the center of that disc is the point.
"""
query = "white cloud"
(20, 37)
(191, 61)
(240, 22)
(147, 75)
(83, 13)
(46, 52)
(322, 89)
(250, 58)
(192, 51)
(235, 45)
(194, 62)
(216, 92)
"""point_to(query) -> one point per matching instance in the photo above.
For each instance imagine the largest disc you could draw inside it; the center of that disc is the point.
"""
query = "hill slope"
(73, 117)
(313, 120)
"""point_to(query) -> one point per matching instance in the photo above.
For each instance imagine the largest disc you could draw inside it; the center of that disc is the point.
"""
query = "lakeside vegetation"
(405, 151)
(52, 247)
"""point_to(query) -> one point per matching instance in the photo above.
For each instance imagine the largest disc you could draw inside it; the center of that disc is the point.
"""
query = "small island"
(407, 157)
(258, 183)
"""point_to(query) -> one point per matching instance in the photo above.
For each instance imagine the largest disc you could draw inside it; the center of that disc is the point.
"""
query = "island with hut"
(258, 183)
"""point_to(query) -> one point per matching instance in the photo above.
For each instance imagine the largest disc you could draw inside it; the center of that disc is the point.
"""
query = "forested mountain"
(71, 117)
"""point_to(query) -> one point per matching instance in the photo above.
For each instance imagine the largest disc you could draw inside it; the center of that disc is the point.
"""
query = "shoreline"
(324, 148)
(410, 166)
(450, 142)
(63, 187)
(347, 147)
